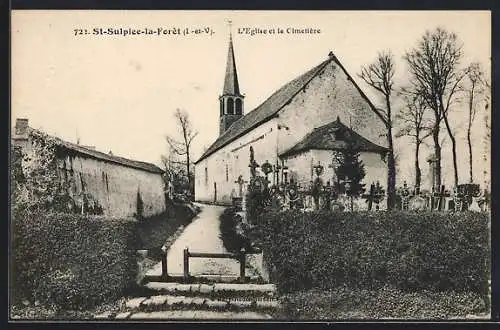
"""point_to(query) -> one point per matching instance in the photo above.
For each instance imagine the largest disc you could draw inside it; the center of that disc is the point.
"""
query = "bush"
(71, 261)
(231, 237)
(257, 198)
(412, 251)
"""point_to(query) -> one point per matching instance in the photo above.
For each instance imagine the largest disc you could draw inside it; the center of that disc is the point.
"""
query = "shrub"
(71, 261)
(413, 251)
(231, 237)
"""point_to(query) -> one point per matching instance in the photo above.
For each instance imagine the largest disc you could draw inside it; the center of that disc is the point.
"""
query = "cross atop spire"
(231, 85)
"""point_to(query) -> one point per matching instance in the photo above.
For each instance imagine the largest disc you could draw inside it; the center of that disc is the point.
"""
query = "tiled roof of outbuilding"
(333, 136)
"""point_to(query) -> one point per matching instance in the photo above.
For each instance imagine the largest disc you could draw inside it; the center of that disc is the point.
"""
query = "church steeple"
(231, 100)
(231, 85)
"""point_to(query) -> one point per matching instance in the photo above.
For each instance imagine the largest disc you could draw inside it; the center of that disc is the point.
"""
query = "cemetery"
(339, 242)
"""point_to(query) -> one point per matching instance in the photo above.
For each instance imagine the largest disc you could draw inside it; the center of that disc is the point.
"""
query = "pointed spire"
(231, 85)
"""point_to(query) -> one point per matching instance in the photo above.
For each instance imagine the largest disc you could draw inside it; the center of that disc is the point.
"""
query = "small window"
(206, 175)
(227, 173)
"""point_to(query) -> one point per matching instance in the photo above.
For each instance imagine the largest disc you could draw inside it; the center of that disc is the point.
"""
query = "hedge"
(412, 251)
(71, 261)
(387, 302)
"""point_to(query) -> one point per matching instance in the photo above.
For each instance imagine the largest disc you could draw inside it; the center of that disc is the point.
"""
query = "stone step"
(185, 315)
(212, 290)
(199, 315)
(207, 278)
(176, 302)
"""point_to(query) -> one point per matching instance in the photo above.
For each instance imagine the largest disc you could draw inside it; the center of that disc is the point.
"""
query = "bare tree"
(435, 75)
(380, 76)
(182, 146)
(415, 125)
(474, 90)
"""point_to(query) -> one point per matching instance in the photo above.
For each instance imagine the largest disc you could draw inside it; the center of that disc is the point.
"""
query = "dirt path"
(202, 235)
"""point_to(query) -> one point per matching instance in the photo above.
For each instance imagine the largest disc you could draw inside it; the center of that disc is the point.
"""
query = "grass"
(154, 231)
(384, 303)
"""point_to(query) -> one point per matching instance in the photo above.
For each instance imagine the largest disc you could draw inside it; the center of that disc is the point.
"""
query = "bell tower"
(231, 100)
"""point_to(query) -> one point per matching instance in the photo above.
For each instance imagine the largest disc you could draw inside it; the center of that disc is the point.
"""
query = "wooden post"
(242, 265)
(186, 265)
(164, 269)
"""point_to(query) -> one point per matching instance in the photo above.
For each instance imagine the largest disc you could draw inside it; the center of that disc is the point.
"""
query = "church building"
(299, 126)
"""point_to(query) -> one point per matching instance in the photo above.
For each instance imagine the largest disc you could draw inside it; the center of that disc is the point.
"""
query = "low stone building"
(98, 182)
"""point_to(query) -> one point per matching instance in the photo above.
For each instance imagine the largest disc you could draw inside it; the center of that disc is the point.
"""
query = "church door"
(215, 192)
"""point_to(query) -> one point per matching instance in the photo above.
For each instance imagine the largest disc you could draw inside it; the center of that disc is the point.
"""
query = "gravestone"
(474, 206)
(417, 203)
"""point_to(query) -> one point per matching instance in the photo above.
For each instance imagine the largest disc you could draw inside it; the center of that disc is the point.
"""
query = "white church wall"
(300, 167)
(328, 95)
(236, 155)
(375, 167)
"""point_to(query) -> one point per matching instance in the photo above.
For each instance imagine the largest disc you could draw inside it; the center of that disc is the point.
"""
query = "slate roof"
(231, 85)
(333, 136)
(269, 108)
(103, 156)
(265, 111)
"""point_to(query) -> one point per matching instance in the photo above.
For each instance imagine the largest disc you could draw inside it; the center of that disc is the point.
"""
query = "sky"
(119, 93)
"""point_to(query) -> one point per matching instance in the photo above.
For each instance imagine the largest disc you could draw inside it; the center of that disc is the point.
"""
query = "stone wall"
(110, 188)
(115, 188)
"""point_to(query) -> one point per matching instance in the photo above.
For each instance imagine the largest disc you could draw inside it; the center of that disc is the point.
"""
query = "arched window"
(230, 106)
(221, 106)
(239, 109)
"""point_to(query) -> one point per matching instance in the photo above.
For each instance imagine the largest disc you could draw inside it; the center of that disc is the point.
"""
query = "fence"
(241, 257)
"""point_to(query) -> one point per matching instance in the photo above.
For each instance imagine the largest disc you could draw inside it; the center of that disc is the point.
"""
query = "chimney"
(21, 126)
